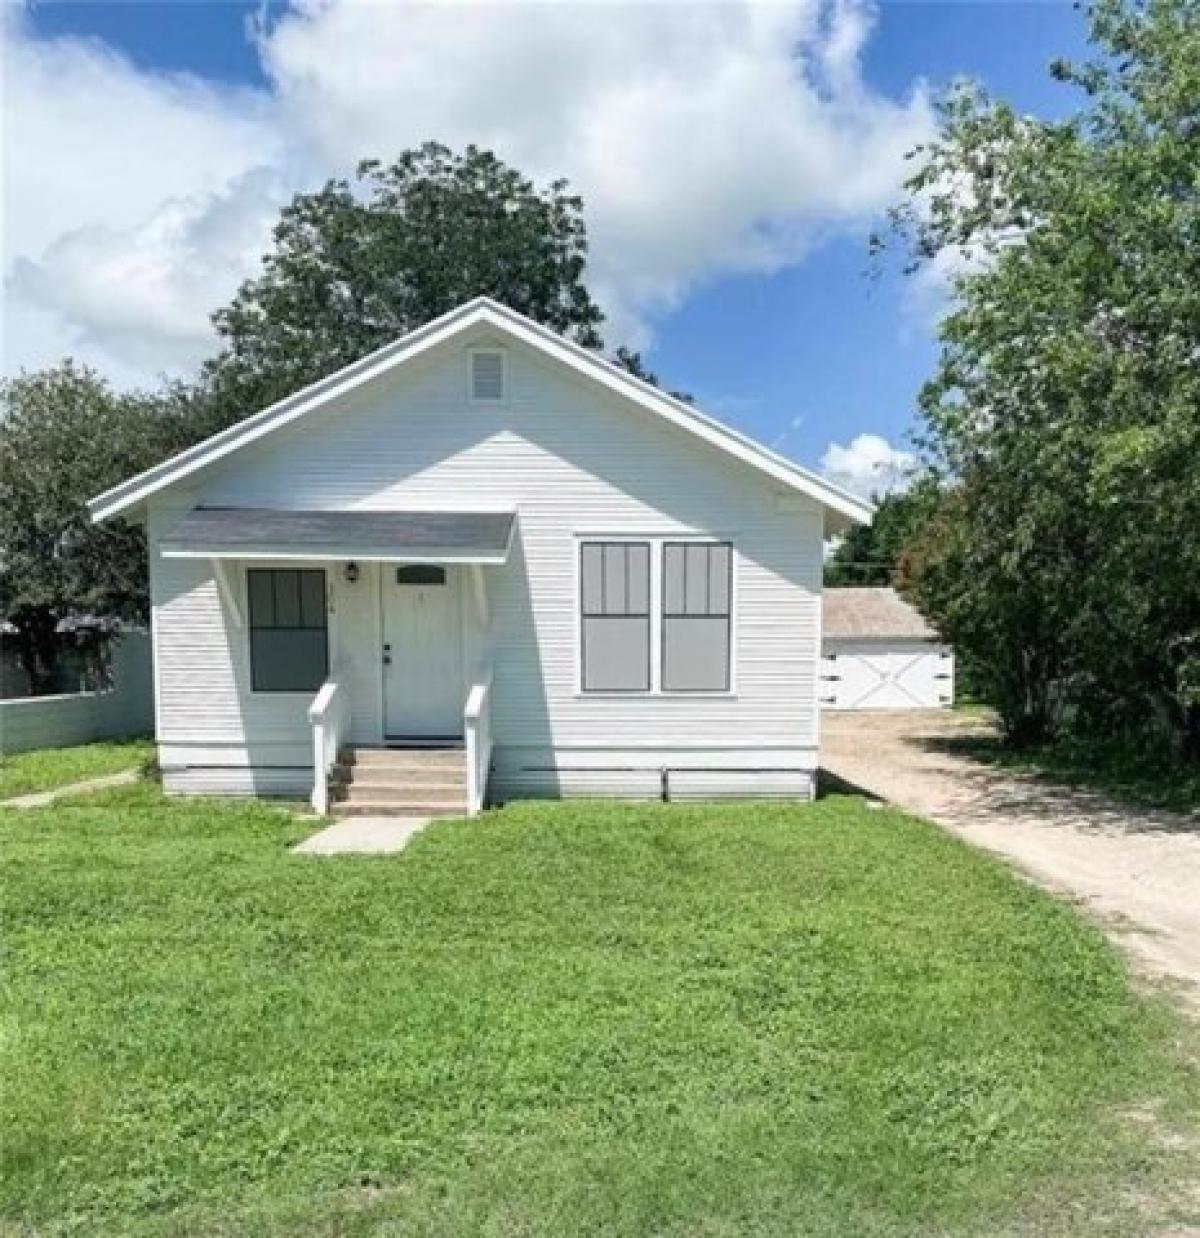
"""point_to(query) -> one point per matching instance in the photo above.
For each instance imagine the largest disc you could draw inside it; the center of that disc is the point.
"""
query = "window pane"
(312, 599)
(262, 598)
(695, 655)
(673, 579)
(614, 579)
(287, 599)
(695, 580)
(616, 655)
(421, 574)
(287, 659)
(639, 579)
(718, 580)
(591, 570)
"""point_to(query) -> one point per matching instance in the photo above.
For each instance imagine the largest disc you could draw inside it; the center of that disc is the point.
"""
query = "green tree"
(65, 436)
(1065, 411)
(356, 265)
(631, 362)
(874, 554)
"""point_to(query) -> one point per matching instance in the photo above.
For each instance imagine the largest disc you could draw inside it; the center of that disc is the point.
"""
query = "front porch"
(370, 629)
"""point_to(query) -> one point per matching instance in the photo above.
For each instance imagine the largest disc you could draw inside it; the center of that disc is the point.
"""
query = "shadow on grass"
(828, 783)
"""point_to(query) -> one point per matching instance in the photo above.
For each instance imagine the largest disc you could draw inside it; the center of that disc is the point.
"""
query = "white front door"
(423, 693)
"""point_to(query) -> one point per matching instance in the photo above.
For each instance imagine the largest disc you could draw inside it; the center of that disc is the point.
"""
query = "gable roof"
(872, 614)
(845, 507)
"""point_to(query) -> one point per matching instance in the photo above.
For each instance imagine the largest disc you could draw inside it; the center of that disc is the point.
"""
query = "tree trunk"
(1191, 734)
(37, 648)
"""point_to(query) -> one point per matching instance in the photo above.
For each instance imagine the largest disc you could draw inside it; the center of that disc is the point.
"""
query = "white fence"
(127, 708)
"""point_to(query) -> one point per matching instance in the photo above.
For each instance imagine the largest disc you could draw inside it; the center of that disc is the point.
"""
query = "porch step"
(397, 808)
(404, 758)
(437, 792)
(408, 782)
(400, 769)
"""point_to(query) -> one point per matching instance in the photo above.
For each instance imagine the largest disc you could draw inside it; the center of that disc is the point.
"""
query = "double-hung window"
(289, 645)
(696, 603)
(615, 616)
(689, 622)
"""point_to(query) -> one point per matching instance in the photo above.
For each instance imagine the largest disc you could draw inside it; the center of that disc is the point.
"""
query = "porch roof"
(388, 536)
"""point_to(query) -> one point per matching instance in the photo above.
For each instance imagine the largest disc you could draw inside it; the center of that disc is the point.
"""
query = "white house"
(879, 653)
(484, 562)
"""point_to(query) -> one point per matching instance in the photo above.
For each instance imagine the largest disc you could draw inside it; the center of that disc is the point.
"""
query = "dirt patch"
(1137, 870)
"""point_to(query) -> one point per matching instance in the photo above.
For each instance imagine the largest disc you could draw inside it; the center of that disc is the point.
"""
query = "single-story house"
(880, 653)
(483, 563)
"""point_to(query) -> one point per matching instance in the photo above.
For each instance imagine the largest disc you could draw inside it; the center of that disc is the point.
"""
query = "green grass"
(566, 1020)
(47, 768)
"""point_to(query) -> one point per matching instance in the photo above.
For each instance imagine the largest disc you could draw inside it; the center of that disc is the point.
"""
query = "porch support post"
(479, 589)
(481, 642)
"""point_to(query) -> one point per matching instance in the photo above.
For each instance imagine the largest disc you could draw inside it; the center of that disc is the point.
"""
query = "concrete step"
(386, 776)
(386, 792)
(410, 807)
(399, 773)
(404, 758)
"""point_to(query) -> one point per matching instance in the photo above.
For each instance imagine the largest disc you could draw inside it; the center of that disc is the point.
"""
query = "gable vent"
(487, 376)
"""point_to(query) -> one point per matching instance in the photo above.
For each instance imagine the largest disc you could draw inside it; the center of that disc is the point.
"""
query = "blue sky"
(804, 352)
(824, 344)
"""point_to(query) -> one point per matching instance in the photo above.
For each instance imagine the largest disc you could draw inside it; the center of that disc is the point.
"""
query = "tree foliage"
(357, 264)
(353, 266)
(65, 437)
(1065, 412)
(874, 554)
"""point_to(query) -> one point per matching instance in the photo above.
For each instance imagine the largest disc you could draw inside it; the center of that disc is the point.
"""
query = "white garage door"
(886, 675)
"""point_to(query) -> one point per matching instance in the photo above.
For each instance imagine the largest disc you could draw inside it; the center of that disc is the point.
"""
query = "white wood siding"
(571, 459)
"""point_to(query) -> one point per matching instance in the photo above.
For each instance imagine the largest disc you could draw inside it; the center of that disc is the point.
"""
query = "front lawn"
(567, 1020)
(47, 768)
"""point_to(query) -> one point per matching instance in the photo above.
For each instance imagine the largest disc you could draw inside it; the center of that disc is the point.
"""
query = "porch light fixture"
(351, 572)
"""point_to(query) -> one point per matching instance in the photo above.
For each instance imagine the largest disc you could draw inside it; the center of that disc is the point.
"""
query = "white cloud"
(868, 465)
(930, 294)
(128, 200)
(142, 295)
(705, 139)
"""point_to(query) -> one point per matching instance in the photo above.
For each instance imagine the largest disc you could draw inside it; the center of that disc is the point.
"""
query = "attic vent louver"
(487, 375)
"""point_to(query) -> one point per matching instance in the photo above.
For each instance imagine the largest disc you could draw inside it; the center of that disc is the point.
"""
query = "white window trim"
(480, 401)
(624, 539)
(331, 609)
(656, 540)
(662, 633)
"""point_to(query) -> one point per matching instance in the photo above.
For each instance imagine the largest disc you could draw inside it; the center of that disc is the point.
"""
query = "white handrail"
(329, 715)
(477, 728)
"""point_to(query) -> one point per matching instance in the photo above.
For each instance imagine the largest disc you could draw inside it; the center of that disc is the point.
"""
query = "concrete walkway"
(363, 836)
(1138, 870)
(40, 799)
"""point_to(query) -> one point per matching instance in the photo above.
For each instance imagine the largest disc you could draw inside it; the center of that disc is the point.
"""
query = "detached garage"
(879, 653)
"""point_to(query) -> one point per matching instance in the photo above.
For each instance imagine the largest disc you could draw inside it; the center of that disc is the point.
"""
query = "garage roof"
(872, 614)
(242, 532)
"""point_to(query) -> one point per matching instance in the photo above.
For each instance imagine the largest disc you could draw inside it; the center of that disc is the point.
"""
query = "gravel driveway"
(1137, 870)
